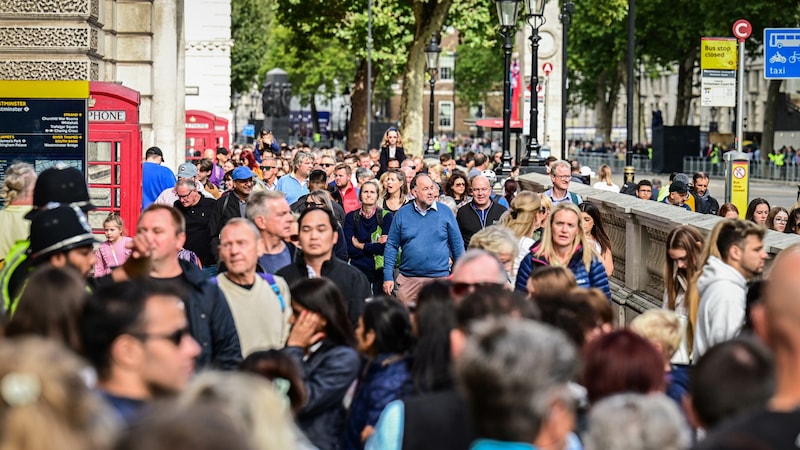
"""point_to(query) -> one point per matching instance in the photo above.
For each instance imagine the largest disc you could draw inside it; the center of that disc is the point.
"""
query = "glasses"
(465, 288)
(459, 184)
(267, 167)
(315, 205)
(185, 196)
(781, 220)
(563, 177)
(176, 337)
(294, 238)
(326, 165)
(542, 210)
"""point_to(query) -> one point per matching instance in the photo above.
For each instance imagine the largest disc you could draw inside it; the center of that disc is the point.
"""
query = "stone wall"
(638, 230)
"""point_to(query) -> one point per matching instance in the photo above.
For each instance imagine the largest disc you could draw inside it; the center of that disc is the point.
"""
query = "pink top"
(111, 255)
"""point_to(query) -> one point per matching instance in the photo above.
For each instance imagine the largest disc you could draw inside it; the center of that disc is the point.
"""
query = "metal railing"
(760, 170)
(616, 161)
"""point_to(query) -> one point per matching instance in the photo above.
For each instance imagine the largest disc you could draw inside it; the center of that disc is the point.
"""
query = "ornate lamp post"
(432, 52)
(536, 20)
(507, 14)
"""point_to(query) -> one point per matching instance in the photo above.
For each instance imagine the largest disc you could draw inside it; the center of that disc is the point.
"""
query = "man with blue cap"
(231, 204)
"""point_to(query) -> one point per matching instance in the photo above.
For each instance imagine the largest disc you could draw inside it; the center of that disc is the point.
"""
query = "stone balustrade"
(638, 230)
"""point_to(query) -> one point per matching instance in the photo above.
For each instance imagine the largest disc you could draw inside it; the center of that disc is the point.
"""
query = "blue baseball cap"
(242, 173)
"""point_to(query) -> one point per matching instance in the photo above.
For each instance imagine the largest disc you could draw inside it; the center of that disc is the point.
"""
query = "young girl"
(113, 252)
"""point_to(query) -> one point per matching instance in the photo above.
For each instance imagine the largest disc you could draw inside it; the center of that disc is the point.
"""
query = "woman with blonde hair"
(391, 148)
(501, 242)
(17, 194)
(564, 244)
(45, 402)
(606, 181)
(395, 190)
(259, 407)
(525, 219)
(684, 245)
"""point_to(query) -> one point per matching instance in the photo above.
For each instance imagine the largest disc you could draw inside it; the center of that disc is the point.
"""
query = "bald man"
(778, 425)
(481, 212)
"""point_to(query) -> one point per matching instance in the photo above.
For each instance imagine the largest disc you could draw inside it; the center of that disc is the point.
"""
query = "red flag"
(516, 90)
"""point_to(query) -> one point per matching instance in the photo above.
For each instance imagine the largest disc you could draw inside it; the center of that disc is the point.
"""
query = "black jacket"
(340, 248)
(210, 320)
(227, 208)
(469, 223)
(399, 155)
(352, 283)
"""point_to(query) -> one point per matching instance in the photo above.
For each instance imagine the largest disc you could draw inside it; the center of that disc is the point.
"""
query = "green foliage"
(478, 72)
(250, 20)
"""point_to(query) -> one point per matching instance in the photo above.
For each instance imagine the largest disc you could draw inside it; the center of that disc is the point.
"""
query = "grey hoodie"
(720, 315)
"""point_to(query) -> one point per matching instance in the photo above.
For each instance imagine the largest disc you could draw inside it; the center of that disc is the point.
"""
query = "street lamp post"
(432, 52)
(536, 20)
(507, 14)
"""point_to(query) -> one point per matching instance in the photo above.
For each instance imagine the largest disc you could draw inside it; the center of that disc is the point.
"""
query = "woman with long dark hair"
(323, 343)
(395, 190)
(758, 211)
(684, 246)
(384, 339)
(596, 235)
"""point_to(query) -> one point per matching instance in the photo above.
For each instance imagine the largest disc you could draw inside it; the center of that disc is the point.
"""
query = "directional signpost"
(781, 53)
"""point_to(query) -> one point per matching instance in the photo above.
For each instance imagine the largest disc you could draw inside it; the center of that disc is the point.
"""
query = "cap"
(242, 173)
(678, 186)
(187, 170)
(154, 151)
(60, 184)
(490, 175)
(587, 171)
(59, 229)
(683, 178)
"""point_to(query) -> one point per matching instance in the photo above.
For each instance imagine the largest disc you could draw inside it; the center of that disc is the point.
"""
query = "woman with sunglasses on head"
(526, 220)
(391, 147)
(322, 342)
(395, 190)
(456, 187)
(564, 243)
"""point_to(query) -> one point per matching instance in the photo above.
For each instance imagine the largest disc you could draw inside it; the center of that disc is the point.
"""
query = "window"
(446, 65)
(445, 115)
(446, 73)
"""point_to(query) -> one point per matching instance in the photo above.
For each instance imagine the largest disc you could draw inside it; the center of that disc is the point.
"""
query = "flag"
(516, 89)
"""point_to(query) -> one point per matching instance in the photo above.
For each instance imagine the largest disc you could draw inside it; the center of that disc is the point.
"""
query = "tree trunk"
(608, 86)
(685, 84)
(314, 117)
(357, 131)
(770, 110)
(429, 17)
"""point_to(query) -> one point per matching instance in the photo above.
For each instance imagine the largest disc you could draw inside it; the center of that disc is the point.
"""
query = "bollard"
(630, 170)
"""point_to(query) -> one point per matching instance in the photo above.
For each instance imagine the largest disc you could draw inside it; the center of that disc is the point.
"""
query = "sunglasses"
(185, 196)
(460, 289)
(267, 167)
(176, 337)
(326, 165)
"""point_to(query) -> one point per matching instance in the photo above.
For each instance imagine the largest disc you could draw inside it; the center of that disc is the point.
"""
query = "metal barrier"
(759, 170)
(615, 161)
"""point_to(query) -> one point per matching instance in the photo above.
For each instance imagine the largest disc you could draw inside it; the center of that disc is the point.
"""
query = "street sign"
(781, 53)
(718, 53)
(742, 29)
(547, 68)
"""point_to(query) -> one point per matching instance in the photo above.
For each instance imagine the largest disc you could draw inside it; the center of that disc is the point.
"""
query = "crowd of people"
(373, 300)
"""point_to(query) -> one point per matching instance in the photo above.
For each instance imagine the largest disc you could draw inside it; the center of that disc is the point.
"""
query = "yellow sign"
(740, 185)
(44, 89)
(718, 53)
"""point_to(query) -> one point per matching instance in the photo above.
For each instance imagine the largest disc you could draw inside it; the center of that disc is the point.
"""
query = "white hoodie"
(720, 315)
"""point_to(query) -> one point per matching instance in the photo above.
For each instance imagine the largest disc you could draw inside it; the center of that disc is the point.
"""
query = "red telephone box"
(221, 133)
(114, 154)
(200, 133)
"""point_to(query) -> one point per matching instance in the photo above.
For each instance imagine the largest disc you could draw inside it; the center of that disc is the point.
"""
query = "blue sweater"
(427, 242)
(595, 277)
(155, 178)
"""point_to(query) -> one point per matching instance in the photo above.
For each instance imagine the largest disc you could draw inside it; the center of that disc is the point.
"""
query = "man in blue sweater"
(428, 237)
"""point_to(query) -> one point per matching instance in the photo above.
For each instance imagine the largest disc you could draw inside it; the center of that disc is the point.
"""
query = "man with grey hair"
(271, 214)
(196, 210)
(515, 374)
(260, 303)
(295, 184)
(560, 175)
(17, 194)
(477, 268)
(635, 422)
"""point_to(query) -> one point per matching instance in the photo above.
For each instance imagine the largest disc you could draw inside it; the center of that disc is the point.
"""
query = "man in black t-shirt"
(196, 210)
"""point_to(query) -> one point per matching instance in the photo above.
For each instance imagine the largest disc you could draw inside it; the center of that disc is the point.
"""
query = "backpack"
(269, 279)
